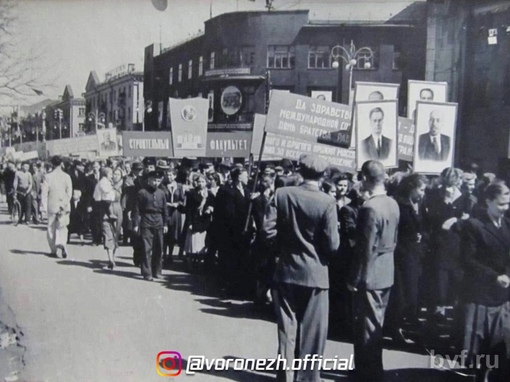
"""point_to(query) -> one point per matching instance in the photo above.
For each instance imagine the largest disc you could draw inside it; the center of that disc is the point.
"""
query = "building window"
(81, 112)
(212, 61)
(247, 58)
(319, 57)
(367, 61)
(190, 69)
(281, 57)
(129, 91)
(171, 77)
(200, 65)
(397, 58)
(179, 75)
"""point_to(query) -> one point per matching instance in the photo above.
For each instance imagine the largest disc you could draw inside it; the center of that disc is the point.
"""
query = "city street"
(82, 323)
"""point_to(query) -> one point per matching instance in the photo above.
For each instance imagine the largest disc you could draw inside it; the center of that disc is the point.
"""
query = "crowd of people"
(394, 250)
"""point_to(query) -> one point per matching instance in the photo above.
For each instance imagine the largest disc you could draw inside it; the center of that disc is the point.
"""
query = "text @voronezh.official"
(169, 364)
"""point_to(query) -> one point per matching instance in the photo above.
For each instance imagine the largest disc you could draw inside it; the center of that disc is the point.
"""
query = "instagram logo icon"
(169, 363)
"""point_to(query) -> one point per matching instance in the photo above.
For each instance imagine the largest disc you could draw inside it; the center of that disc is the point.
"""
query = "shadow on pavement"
(26, 252)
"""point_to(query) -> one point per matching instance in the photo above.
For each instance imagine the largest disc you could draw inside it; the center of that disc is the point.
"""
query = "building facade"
(468, 45)
(65, 118)
(115, 102)
(242, 55)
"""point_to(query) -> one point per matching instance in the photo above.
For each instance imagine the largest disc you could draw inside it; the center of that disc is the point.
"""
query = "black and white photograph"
(427, 91)
(152, 229)
(435, 136)
(376, 132)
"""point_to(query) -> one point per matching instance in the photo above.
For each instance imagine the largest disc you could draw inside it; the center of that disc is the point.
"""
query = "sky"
(66, 39)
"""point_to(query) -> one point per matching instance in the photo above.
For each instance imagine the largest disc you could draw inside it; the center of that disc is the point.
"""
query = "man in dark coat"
(372, 271)
(151, 211)
(230, 214)
(303, 221)
(132, 185)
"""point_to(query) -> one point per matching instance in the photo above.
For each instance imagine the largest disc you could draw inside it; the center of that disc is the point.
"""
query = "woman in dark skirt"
(199, 209)
(486, 260)
(175, 201)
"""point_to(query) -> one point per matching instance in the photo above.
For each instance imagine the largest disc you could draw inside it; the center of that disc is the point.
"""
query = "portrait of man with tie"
(376, 145)
(376, 132)
(434, 145)
(435, 136)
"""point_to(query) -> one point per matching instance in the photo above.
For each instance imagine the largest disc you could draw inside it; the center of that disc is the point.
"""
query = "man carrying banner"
(303, 222)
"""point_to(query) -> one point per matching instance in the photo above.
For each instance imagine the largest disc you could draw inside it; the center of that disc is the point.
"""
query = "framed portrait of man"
(325, 95)
(435, 136)
(426, 91)
(376, 132)
(107, 141)
(375, 91)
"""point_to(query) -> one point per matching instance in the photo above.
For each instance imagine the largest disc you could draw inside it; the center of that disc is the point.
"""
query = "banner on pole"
(405, 139)
(309, 119)
(189, 126)
(147, 144)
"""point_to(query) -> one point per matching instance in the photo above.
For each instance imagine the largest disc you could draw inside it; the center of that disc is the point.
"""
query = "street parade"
(318, 213)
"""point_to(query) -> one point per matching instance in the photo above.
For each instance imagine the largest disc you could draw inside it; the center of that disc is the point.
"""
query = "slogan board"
(147, 144)
(231, 144)
(67, 146)
(292, 148)
(405, 139)
(308, 119)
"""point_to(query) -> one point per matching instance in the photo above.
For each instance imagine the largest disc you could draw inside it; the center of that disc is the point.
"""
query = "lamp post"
(350, 57)
(97, 117)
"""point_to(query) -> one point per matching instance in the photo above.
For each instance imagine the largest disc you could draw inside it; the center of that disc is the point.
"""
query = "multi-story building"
(468, 45)
(115, 102)
(242, 55)
(65, 118)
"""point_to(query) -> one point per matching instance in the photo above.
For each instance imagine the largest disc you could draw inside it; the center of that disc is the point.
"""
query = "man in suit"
(303, 222)
(230, 214)
(434, 145)
(376, 145)
(372, 271)
(108, 144)
(93, 207)
(56, 194)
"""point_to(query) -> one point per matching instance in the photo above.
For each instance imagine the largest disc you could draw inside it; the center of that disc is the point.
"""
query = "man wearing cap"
(372, 271)
(132, 185)
(151, 211)
(302, 221)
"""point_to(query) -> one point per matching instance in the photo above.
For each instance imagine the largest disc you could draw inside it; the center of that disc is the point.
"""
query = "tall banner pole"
(256, 178)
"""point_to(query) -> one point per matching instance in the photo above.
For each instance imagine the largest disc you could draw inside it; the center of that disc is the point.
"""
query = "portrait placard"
(375, 91)
(427, 91)
(376, 132)
(107, 143)
(435, 136)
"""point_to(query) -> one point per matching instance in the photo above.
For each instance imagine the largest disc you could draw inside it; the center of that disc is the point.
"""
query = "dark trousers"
(96, 222)
(152, 239)
(25, 202)
(302, 315)
(369, 307)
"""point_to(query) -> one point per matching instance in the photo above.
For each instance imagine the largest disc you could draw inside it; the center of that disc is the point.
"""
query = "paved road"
(82, 323)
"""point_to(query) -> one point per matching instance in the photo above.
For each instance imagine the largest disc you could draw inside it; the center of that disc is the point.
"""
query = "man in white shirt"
(56, 192)
(23, 183)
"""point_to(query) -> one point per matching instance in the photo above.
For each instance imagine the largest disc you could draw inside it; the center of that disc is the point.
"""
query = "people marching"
(373, 257)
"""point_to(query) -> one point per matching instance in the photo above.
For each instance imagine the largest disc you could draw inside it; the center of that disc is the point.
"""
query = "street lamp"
(350, 56)
(97, 117)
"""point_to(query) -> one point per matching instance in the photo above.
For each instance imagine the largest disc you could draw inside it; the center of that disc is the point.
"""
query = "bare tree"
(21, 75)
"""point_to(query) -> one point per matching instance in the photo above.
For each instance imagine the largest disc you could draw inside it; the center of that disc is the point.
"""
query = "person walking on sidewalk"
(56, 192)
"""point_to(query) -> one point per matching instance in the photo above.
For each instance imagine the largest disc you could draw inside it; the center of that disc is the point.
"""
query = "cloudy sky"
(66, 39)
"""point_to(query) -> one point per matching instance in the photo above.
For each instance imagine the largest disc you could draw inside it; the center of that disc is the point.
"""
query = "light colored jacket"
(56, 192)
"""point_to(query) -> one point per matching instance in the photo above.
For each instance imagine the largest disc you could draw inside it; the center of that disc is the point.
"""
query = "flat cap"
(313, 163)
(137, 166)
(158, 174)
